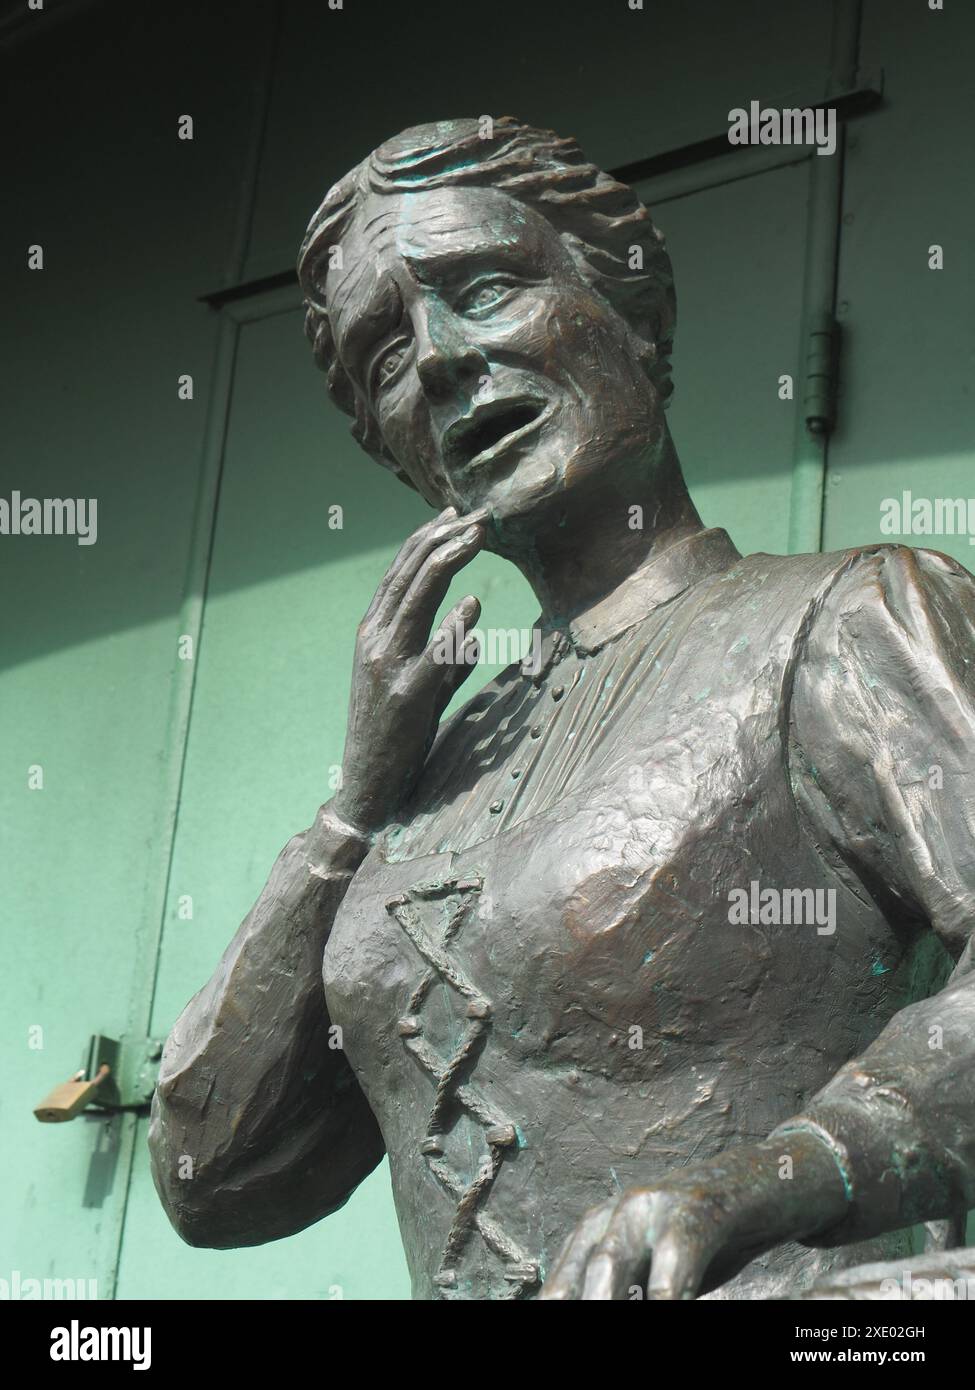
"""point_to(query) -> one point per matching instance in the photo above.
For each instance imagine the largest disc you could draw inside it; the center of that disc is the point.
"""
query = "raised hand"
(401, 681)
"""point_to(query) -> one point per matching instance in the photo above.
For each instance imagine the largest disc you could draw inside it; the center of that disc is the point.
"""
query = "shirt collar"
(666, 575)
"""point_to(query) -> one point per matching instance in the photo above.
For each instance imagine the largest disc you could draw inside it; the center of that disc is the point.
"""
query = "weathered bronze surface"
(622, 955)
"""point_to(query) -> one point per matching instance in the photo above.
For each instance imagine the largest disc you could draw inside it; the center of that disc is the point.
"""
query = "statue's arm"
(258, 1125)
(884, 722)
(900, 1118)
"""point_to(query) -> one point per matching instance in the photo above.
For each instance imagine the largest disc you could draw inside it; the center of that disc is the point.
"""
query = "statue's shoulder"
(780, 593)
(795, 606)
(841, 605)
(872, 570)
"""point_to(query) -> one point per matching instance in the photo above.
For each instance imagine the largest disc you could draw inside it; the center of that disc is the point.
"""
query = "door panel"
(737, 251)
(625, 83)
(94, 344)
(907, 408)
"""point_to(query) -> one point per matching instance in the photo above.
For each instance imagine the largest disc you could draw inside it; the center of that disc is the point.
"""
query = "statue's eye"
(485, 296)
(389, 364)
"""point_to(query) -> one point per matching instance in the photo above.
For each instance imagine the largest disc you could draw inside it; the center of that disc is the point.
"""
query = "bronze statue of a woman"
(619, 960)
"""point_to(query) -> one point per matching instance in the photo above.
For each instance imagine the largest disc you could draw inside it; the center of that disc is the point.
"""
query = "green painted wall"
(166, 778)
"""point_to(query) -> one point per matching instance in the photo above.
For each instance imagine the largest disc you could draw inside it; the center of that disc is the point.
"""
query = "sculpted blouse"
(541, 987)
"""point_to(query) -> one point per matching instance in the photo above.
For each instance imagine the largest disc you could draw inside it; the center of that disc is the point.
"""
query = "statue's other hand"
(699, 1226)
(650, 1242)
(403, 678)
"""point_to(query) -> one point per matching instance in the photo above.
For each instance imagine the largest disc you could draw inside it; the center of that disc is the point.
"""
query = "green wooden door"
(92, 691)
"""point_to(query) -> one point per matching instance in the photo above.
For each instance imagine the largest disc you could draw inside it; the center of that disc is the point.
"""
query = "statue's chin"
(574, 477)
(525, 501)
(564, 476)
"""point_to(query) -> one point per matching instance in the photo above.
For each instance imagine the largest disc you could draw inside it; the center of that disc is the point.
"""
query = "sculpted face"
(497, 377)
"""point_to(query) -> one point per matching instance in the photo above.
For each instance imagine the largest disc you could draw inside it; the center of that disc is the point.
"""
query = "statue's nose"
(447, 362)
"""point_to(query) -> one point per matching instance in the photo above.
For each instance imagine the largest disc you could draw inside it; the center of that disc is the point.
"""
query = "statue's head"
(495, 314)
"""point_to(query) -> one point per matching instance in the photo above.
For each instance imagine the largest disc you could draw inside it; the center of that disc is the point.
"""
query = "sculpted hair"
(603, 224)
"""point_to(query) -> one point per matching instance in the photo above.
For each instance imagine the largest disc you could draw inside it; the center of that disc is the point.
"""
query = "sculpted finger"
(419, 605)
(445, 646)
(457, 674)
(452, 653)
(678, 1266)
(417, 550)
(622, 1256)
(565, 1281)
(414, 543)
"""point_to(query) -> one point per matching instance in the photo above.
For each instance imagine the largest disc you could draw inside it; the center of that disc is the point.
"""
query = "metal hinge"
(822, 375)
(115, 1075)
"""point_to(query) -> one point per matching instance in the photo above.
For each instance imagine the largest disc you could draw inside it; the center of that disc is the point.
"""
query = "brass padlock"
(68, 1099)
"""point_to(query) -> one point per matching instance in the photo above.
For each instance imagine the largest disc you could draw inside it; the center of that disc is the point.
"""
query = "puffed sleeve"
(883, 733)
(882, 761)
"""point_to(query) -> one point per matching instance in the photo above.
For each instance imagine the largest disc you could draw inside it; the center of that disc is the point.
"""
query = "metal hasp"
(114, 1076)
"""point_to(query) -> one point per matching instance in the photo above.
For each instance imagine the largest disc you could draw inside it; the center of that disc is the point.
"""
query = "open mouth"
(491, 429)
